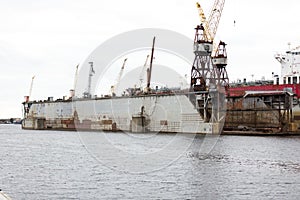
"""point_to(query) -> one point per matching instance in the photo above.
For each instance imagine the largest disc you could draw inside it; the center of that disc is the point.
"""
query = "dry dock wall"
(157, 113)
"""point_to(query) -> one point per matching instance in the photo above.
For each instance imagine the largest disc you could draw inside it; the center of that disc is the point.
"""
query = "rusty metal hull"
(264, 112)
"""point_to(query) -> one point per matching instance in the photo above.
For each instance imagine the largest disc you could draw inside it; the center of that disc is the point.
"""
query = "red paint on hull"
(240, 90)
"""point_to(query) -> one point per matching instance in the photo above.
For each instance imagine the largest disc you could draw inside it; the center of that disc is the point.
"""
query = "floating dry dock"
(155, 113)
(255, 113)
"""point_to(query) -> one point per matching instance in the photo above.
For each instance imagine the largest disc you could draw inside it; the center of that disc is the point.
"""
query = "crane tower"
(87, 93)
(205, 78)
(219, 55)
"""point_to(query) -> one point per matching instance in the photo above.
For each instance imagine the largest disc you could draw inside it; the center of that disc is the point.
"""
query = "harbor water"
(60, 165)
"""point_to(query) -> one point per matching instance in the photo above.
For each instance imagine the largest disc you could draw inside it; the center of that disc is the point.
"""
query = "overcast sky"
(48, 38)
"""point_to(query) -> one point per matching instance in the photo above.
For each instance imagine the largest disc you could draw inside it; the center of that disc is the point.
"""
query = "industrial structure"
(207, 77)
(87, 93)
(218, 53)
(115, 87)
(143, 72)
(210, 102)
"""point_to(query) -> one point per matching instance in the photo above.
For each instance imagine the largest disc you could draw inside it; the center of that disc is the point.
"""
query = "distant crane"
(115, 87)
(87, 94)
(75, 77)
(72, 91)
(30, 89)
(143, 71)
(149, 71)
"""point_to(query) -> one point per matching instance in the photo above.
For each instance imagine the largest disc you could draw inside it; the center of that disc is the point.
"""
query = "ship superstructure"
(288, 80)
(281, 96)
(290, 67)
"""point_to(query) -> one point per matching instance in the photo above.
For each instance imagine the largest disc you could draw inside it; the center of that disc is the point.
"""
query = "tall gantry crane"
(205, 79)
(219, 55)
(211, 25)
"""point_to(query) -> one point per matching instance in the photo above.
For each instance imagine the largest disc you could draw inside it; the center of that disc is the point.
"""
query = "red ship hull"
(240, 90)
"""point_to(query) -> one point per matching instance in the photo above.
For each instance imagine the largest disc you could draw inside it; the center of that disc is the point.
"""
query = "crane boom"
(218, 54)
(31, 85)
(150, 68)
(215, 16)
(72, 91)
(115, 87)
(211, 25)
(204, 22)
(75, 78)
(143, 70)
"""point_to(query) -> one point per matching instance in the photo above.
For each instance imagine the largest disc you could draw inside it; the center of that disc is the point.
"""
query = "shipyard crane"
(205, 75)
(207, 35)
(149, 71)
(75, 77)
(215, 16)
(30, 89)
(115, 87)
(72, 91)
(143, 71)
(210, 26)
(87, 94)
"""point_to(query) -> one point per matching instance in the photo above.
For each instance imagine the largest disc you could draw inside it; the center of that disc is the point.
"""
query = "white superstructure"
(290, 67)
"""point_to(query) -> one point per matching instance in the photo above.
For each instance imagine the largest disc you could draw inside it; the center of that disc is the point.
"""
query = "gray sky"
(48, 38)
